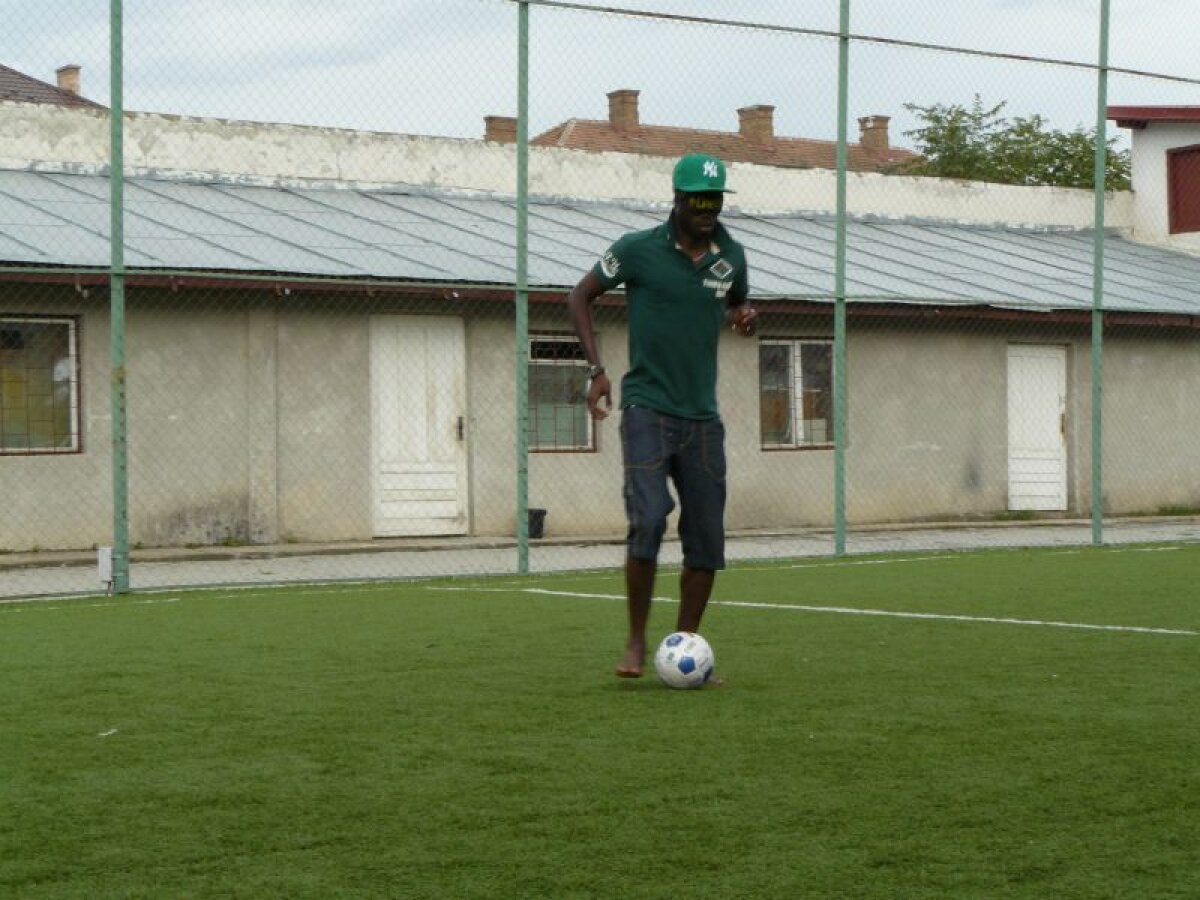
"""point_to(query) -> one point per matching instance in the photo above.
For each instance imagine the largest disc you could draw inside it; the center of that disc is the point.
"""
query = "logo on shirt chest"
(720, 288)
(721, 268)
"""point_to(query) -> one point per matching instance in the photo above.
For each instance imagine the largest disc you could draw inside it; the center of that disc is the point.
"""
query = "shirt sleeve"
(613, 267)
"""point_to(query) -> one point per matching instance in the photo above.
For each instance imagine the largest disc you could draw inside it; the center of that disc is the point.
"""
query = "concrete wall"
(926, 429)
(40, 136)
(249, 421)
(1148, 157)
(926, 432)
(188, 383)
(324, 422)
(56, 500)
(1151, 430)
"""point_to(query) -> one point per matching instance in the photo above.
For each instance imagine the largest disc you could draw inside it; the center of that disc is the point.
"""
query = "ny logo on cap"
(710, 168)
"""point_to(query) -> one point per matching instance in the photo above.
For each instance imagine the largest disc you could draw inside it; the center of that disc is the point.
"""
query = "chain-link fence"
(339, 321)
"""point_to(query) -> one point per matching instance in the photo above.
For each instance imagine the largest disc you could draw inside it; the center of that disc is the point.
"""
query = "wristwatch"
(595, 371)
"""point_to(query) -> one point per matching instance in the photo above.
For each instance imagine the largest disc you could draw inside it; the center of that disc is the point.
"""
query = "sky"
(438, 67)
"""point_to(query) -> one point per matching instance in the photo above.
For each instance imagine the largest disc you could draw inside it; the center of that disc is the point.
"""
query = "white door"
(418, 425)
(1037, 445)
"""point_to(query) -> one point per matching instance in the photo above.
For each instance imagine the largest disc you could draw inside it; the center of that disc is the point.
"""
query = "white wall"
(1148, 156)
(49, 137)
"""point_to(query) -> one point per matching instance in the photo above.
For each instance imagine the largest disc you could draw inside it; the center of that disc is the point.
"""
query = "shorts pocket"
(712, 448)
(642, 441)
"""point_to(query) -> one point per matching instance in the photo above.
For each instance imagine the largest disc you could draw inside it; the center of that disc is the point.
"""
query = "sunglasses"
(705, 202)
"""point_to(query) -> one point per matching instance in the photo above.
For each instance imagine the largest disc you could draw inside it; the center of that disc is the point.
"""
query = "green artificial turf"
(466, 738)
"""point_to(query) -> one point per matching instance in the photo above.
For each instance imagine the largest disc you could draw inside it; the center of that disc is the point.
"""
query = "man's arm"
(742, 317)
(738, 311)
(579, 301)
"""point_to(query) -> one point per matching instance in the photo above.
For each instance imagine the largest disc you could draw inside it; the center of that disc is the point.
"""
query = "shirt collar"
(714, 244)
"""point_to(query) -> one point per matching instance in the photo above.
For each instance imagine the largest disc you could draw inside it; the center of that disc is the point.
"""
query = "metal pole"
(522, 299)
(116, 180)
(839, 287)
(1101, 164)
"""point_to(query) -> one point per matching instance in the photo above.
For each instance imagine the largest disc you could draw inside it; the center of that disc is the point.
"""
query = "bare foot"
(631, 664)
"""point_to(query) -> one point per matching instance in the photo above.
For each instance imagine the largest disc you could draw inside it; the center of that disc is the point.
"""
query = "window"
(795, 379)
(39, 386)
(1183, 189)
(558, 383)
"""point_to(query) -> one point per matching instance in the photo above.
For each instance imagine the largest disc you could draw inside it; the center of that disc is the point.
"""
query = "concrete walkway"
(47, 574)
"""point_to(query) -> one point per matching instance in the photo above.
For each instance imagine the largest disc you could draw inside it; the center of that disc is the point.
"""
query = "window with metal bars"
(795, 379)
(39, 385)
(558, 384)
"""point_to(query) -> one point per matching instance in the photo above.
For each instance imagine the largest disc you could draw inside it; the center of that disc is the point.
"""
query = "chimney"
(623, 110)
(757, 124)
(874, 132)
(501, 129)
(68, 78)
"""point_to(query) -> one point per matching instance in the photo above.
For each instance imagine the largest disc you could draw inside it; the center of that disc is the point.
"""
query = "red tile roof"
(18, 86)
(663, 140)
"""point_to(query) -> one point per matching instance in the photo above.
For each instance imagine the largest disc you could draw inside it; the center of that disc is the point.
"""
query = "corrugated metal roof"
(415, 234)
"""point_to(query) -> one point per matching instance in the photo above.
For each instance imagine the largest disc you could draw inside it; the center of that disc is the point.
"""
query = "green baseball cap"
(698, 172)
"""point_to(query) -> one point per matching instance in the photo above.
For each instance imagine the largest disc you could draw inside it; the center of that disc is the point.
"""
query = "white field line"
(590, 574)
(852, 611)
(40, 605)
(262, 590)
(335, 586)
(767, 565)
(946, 555)
(219, 592)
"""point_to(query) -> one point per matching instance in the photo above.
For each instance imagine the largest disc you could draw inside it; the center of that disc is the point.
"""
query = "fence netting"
(332, 372)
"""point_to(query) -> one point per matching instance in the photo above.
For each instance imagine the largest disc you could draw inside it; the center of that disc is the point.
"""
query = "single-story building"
(331, 363)
(314, 358)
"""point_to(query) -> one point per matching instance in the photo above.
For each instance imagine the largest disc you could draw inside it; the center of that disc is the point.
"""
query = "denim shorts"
(691, 454)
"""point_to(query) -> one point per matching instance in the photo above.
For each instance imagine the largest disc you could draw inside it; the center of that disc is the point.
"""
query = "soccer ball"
(684, 660)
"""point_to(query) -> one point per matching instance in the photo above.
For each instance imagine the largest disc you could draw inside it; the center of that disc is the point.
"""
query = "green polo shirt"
(676, 313)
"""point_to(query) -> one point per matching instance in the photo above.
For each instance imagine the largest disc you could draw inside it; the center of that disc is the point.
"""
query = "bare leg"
(695, 587)
(639, 587)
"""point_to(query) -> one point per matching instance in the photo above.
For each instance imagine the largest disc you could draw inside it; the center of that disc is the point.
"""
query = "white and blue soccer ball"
(684, 660)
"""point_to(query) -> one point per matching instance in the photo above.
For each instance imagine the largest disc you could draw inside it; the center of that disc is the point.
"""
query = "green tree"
(980, 144)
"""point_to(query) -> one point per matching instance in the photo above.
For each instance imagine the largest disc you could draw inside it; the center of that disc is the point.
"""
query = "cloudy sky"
(440, 66)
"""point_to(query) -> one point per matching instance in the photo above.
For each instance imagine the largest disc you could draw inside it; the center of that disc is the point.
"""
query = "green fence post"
(839, 309)
(116, 178)
(1101, 164)
(522, 295)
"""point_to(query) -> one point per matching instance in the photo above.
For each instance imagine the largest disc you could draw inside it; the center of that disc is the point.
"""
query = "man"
(684, 280)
